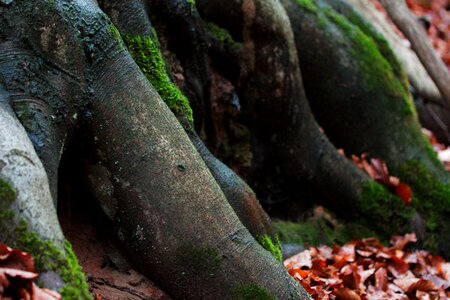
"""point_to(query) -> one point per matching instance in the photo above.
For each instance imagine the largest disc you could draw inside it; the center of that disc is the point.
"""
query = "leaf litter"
(17, 276)
(365, 269)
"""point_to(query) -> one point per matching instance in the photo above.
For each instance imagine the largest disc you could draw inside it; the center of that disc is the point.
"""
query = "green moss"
(317, 232)
(191, 4)
(308, 5)
(273, 246)
(48, 257)
(224, 38)
(252, 292)
(7, 194)
(147, 55)
(384, 208)
(116, 35)
(383, 46)
(426, 186)
(432, 201)
(202, 261)
(380, 68)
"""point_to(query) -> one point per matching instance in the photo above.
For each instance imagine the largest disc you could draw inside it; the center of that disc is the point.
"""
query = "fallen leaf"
(404, 192)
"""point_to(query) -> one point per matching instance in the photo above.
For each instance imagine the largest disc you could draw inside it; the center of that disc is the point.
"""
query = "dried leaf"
(399, 242)
(346, 294)
(404, 192)
(14, 273)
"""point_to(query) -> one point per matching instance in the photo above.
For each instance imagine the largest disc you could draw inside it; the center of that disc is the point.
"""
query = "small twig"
(407, 23)
(439, 122)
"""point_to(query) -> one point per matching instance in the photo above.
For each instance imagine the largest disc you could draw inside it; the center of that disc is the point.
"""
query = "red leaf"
(404, 192)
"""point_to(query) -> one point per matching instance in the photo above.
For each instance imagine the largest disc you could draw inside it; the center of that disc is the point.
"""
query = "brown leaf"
(346, 294)
(405, 283)
(381, 279)
(381, 170)
(437, 281)
(445, 271)
(399, 242)
(423, 285)
(44, 294)
(303, 259)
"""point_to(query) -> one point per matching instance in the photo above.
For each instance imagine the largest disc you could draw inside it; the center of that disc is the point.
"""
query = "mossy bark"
(28, 218)
(290, 152)
(146, 52)
(351, 72)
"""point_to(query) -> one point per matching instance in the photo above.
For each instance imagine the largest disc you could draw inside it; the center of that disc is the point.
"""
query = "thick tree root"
(28, 218)
(184, 264)
(287, 142)
(238, 193)
(364, 84)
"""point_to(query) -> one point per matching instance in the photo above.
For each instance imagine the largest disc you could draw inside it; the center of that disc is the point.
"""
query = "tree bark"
(364, 85)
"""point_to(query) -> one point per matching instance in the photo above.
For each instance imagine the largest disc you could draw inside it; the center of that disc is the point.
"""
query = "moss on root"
(116, 35)
(378, 65)
(432, 201)
(7, 194)
(49, 257)
(273, 246)
(201, 261)
(308, 5)
(148, 57)
(383, 46)
(314, 232)
(252, 292)
(224, 38)
(191, 4)
(384, 209)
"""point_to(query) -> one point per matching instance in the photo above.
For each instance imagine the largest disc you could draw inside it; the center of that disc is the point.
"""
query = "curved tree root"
(288, 146)
(364, 84)
(238, 193)
(193, 256)
(28, 218)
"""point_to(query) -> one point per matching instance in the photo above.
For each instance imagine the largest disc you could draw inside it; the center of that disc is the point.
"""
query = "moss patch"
(224, 38)
(7, 194)
(252, 292)
(432, 201)
(116, 35)
(49, 258)
(308, 5)
(317, 232)
(202, 261)
(383, 208)
(273, 246)
(191, 4)
(379, 66)
(148, 57)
